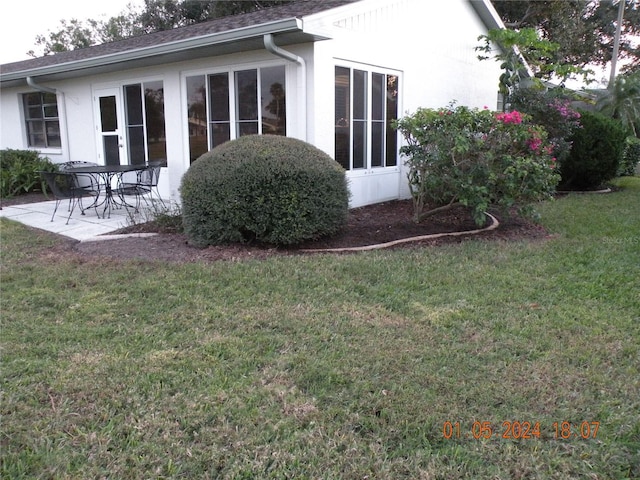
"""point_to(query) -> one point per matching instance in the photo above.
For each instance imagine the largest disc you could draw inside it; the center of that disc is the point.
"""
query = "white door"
(110, 127)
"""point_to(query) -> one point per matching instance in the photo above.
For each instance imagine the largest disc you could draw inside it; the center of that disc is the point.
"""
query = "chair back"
(85, 181)
(75, 164)
(61, 184)
(149, 176)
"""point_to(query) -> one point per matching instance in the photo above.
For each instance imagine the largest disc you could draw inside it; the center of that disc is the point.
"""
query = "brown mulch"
(373, 224)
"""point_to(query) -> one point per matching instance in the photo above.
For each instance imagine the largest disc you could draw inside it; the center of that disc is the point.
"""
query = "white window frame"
(370, 70)
(233, 99)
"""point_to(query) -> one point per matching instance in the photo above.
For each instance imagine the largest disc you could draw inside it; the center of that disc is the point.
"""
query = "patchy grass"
(331, 366)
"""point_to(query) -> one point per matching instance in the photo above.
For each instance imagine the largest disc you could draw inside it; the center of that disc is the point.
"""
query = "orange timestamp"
(515, 430)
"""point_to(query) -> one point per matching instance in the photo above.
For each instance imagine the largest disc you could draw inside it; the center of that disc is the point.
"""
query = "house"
(334, 73)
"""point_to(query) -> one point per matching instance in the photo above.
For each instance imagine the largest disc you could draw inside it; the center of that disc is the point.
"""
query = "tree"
(71, 35)
(622, 101)
(155, 16)
(584, 30)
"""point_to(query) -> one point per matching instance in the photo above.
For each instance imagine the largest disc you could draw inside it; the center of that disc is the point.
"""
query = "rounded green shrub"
(630, 157)
(264, 188)
(596, 151)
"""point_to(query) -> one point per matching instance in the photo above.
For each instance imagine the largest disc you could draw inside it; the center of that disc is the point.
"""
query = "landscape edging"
(495, 224)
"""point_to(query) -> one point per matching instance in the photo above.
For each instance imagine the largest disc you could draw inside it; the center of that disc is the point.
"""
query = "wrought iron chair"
(141, 183)
(64, 186)
(86, 181)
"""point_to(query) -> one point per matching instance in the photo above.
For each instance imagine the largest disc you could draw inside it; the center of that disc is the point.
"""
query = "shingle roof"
(298, 9)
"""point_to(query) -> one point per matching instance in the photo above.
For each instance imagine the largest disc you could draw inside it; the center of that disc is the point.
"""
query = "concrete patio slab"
(80, 227)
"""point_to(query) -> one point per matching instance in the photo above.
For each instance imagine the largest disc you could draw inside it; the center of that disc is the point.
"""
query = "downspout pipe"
(271, 47)
(41, 88)
(32, 83)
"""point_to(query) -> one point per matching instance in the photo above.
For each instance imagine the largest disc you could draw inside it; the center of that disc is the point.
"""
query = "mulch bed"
(373, 224)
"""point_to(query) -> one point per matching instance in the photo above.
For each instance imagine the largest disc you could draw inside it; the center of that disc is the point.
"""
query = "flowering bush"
(476, 158)
(553, 111)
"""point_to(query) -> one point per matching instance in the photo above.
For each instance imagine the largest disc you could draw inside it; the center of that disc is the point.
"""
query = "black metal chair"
(88, 182)
(63, 186)
(141, 183)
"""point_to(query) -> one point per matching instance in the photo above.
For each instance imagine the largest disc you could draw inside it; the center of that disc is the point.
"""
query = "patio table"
(106, 173)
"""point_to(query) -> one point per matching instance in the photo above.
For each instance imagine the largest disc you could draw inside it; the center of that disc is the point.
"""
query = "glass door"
(110, 127)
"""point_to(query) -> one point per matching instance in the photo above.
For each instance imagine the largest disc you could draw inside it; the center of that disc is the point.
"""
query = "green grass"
(329, 366)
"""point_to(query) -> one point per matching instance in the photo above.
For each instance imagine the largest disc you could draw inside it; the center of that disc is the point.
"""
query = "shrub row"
(19, 172)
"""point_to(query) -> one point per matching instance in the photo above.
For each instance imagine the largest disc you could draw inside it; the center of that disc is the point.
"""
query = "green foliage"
(477, 159)
(19, 171)
(525, 43)
(622, 101)
(552, 110)
(583, 29)
(595, 153)
(267, 188)
(630, 157)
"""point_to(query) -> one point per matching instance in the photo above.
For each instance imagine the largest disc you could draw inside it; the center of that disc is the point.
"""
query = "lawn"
(411, 363)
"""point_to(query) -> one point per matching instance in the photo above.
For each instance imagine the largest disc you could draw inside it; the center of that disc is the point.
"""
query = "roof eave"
(161, 52)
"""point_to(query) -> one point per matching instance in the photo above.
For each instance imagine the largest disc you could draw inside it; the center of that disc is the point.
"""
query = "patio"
(81, 227)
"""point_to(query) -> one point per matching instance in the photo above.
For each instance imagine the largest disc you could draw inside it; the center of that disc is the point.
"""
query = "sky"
(22, 21)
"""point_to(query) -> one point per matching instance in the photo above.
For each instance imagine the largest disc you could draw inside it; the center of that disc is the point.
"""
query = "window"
(366, 103)
(228, 105)
(42, 122)
(144, 107)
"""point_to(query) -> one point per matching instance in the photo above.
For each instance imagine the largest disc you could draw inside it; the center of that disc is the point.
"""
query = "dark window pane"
(378, 94)
(136, 145)
(359, 146)
(274, 111)
(342, 116)
(247, 95)
(34, 112)
(108, 118)
(53, 133)
(133, 99)
(32, 99)
(359, 95)
(392, 114)
(50, 98)
(36, 127)
(219, 91)
(111, 150)
(197, 116)
(51, 111)
(247, 128)
(35, 132)
(155, 122)
(377, 144)
(220, 133)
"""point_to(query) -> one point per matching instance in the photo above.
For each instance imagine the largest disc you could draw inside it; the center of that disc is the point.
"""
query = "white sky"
(22, 21)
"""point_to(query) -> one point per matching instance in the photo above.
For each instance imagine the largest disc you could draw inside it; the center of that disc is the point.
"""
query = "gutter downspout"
(271, 47)
(41, 88)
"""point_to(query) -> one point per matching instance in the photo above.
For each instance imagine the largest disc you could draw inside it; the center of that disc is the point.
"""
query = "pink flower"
(510, 117)
(534, 143)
